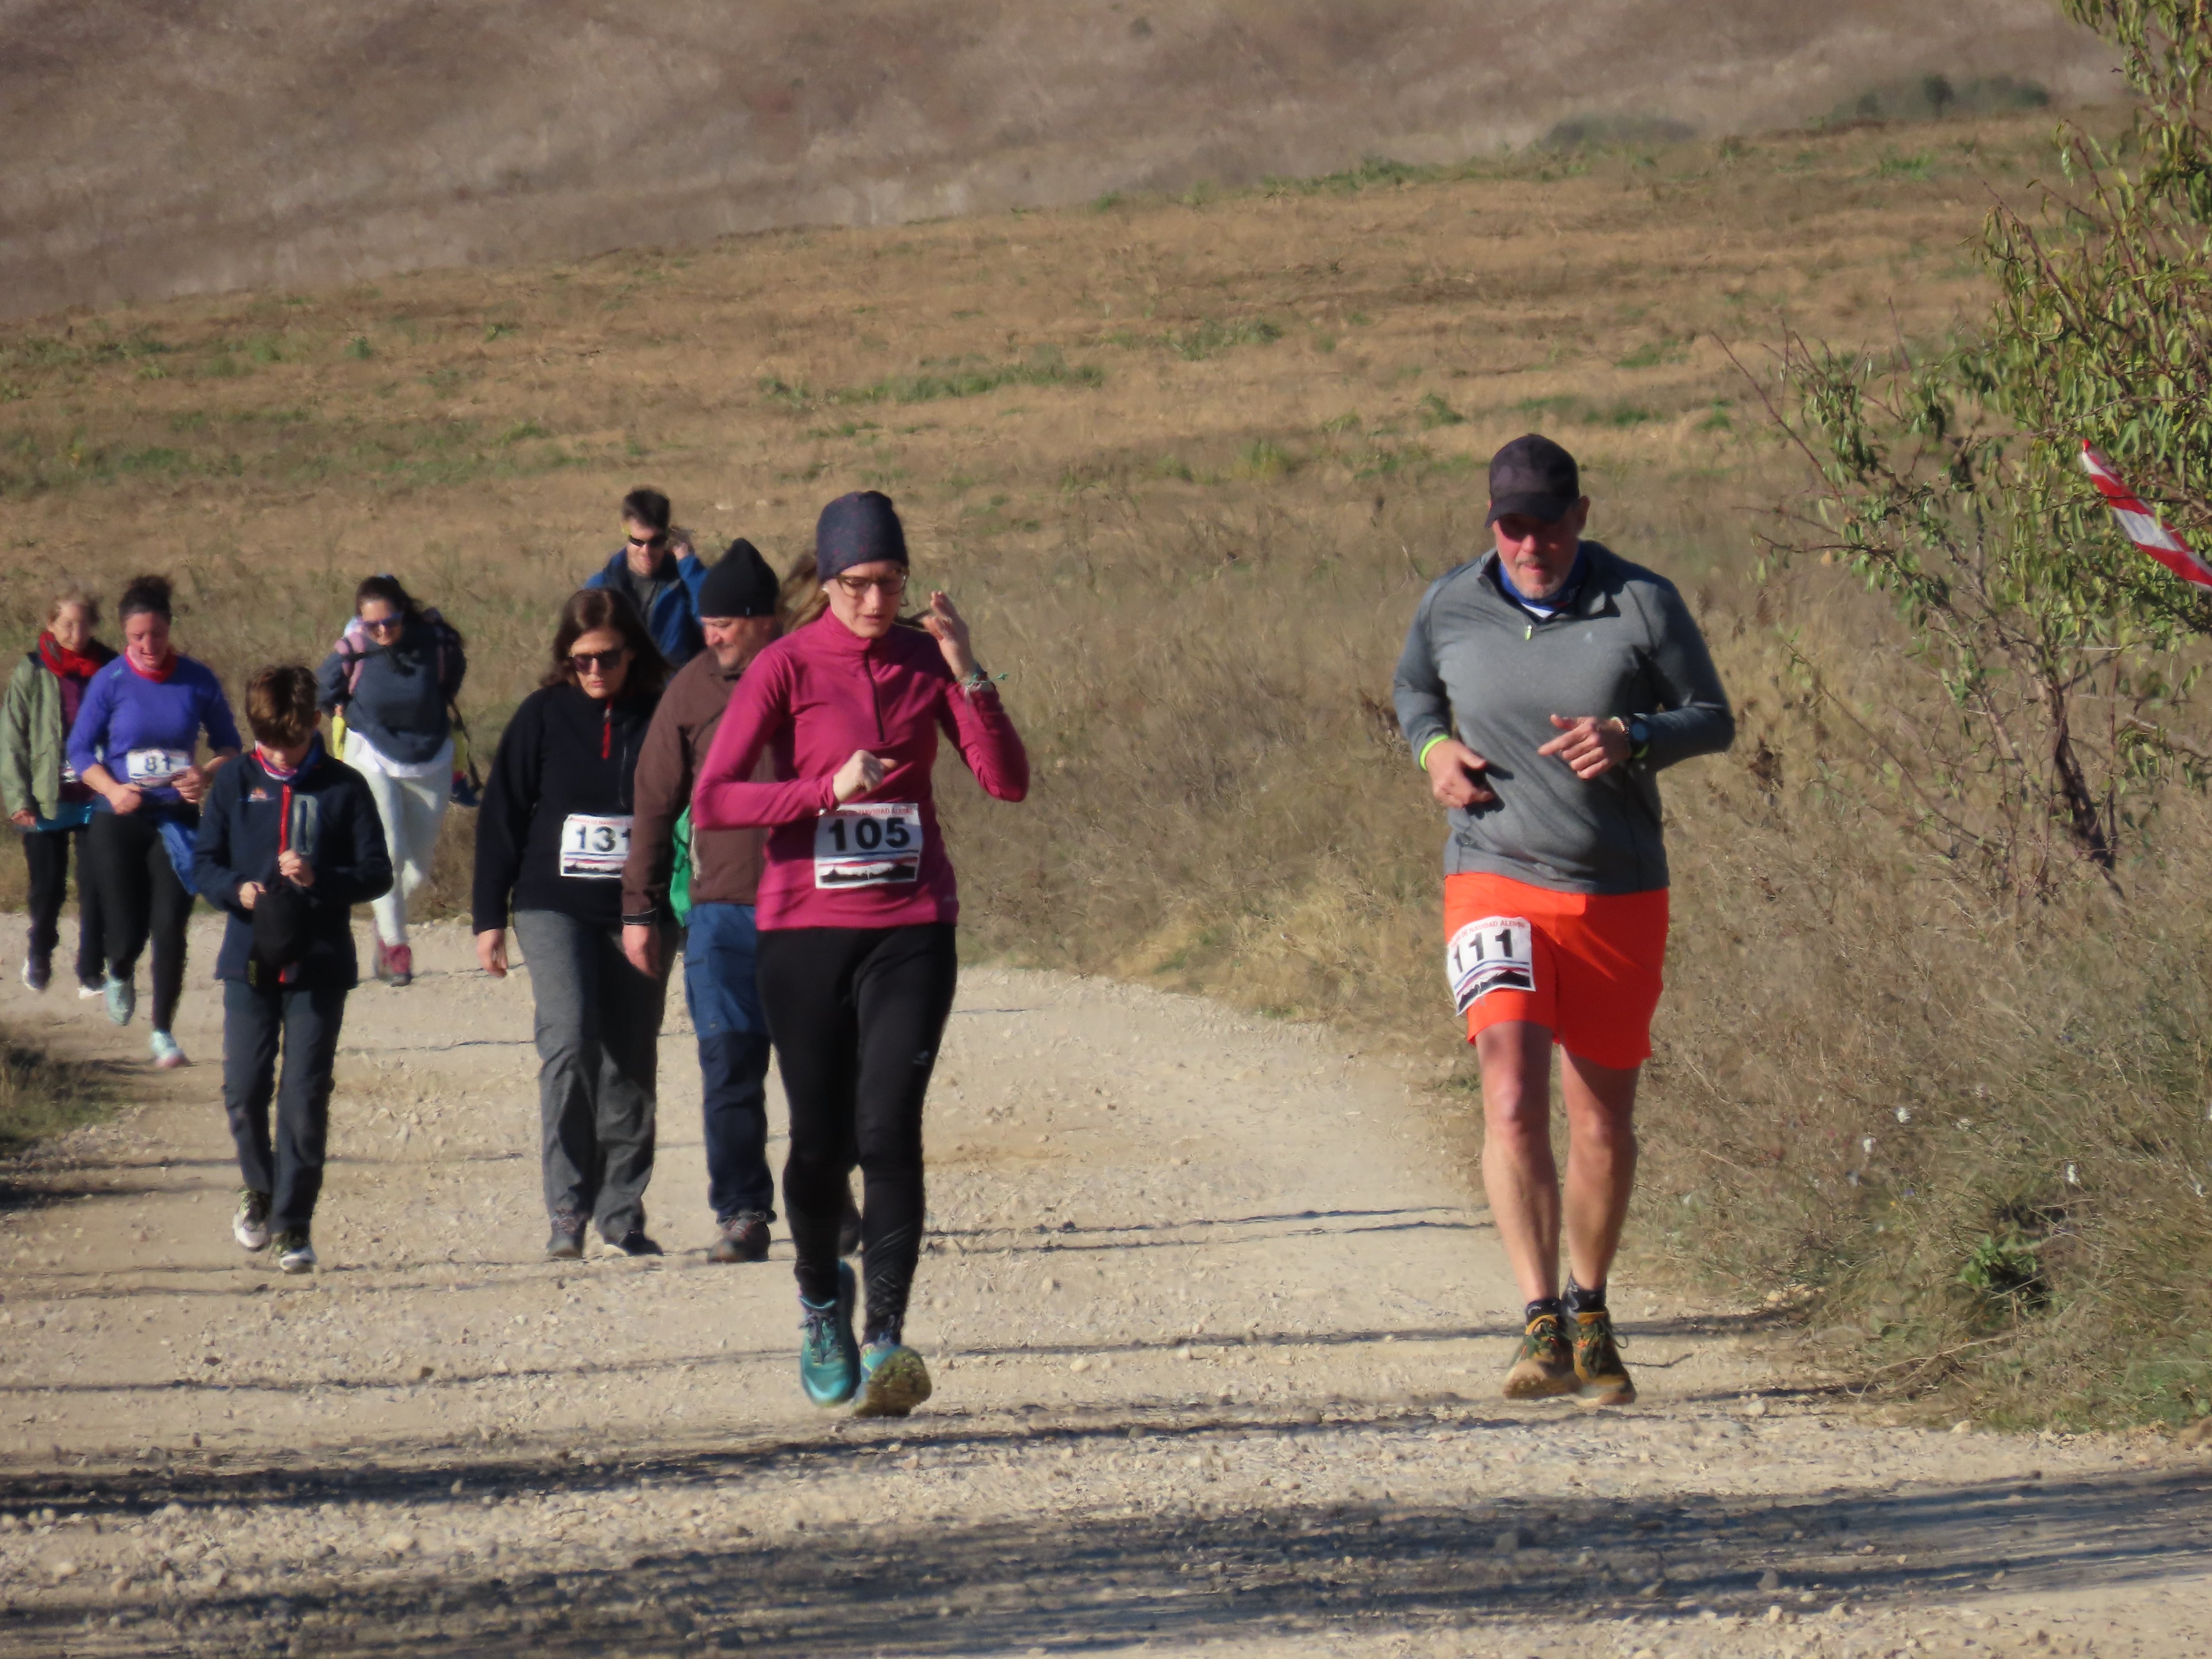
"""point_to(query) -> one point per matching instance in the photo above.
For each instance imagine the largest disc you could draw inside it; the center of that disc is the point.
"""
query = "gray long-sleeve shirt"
(1478, 666)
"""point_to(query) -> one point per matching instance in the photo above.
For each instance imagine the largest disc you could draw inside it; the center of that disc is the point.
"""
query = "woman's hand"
(26, 819)
(295, 870)
(491, 952)
(859, 774)
(124, 798)
(191, 783)
(247, 892)
(1592, 746)
(950, 630)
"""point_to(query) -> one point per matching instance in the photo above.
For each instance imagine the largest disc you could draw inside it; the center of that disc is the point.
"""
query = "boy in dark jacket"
(294, 833)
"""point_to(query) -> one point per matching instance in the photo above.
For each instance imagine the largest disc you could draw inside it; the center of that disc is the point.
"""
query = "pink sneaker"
(399, 964)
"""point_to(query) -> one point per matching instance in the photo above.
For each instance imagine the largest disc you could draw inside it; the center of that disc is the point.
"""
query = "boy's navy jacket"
(334, 827)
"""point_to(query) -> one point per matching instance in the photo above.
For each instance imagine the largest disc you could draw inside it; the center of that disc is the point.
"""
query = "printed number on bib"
(1490, 955)
(155, 765)
(878, 845)
(594, 849)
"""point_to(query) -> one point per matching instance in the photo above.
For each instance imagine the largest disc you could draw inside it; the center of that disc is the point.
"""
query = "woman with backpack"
(393, 679)
(552, 843)
(44, 796)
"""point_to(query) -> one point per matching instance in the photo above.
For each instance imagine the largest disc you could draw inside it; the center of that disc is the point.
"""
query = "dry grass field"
(1189, 462)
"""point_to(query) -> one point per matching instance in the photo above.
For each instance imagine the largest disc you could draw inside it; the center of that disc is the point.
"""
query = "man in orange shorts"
(1542, 688)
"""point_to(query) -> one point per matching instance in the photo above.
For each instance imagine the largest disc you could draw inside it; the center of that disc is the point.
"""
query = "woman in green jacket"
(44, 798)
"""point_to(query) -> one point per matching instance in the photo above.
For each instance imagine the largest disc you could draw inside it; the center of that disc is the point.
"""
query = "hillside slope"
(160, 147)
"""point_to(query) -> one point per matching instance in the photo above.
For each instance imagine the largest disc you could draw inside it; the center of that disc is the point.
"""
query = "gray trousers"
(598, 1043)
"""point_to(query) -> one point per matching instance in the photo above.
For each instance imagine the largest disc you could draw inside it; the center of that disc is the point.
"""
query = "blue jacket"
(334, 825)
(397, 696)
(674, 624)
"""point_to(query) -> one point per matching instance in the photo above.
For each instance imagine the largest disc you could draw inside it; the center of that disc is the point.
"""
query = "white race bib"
(1490, 955)
(878, 845)
(594, 849)
(155, 765)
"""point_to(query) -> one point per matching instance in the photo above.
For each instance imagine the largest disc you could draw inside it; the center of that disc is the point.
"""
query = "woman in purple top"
(134, 742)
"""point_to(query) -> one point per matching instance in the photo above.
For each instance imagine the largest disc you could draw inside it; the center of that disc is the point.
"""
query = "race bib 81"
(876, 845)
(594, 849)
(1494, 954)
(155, 765)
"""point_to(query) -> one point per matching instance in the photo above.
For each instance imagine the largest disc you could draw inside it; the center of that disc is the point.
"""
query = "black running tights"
(856, 1014)
(140, 897)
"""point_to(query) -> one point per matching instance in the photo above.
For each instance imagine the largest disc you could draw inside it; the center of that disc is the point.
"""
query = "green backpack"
(679, 877)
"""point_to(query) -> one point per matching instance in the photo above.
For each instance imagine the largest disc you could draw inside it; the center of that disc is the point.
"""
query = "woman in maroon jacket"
(857, 903)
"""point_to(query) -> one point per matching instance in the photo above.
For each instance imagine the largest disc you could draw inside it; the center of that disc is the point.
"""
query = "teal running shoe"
(122, 999)
(828, 1361)
(893, 1379)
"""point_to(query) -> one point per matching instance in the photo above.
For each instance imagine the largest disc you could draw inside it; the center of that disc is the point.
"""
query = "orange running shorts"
(1585, 966)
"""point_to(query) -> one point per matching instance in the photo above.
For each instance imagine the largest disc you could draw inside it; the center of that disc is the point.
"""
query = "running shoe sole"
(896, 1385)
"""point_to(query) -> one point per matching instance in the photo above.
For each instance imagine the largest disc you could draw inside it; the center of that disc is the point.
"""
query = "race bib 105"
(594, 849)
(155, 765)
(1490, 955)
(876, 845)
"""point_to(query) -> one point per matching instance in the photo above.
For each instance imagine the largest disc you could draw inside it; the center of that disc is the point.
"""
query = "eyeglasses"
(586, 662)
(384, 624)
(889, 587)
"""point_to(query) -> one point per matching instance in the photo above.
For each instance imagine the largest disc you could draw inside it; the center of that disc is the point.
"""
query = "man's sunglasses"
(653, 540)
(586, 662)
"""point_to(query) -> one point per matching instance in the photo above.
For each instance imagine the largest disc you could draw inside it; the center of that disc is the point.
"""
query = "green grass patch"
(938, 379)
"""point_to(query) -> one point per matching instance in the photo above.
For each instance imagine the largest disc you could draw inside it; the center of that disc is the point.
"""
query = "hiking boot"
(893, 1379)
(633, 1242)
(1545, 1367)
(122, 999)
(250, 1226)
(1603, 1380)
(398, 965)
(38, 972)
(566, 1242)
(168, 1053)
(848, 1227)
(828, 1363)
(294, 1255)
(743, 1237)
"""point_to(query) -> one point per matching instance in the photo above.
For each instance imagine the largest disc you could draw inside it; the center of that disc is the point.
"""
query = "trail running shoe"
(294, 1255)
(379, 959)
(893, 1380)
(829, 1363)
(633, 1242)
(565, 1241)
(168, 1053)
(122, 999)
(848, 1227)
(1545, 1367)
(38, 972)
(743, 1237)
(89, 990)
(1598, 1371)
(399, 966)
(250, 1226)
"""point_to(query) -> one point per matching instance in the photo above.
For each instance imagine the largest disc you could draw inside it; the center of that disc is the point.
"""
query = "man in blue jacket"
(290, 842)
(657, 571)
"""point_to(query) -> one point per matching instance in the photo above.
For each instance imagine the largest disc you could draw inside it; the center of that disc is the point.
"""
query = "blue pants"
(255, 1022)
(722, 988)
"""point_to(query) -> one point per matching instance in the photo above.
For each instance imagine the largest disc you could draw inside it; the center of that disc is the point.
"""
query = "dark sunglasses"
(585, 661)
(384, 624)
(653, 540)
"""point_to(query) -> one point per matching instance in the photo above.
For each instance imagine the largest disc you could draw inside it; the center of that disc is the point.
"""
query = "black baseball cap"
(1534, 475)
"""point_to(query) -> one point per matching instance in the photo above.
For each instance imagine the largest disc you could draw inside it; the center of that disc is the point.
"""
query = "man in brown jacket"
(737, 614)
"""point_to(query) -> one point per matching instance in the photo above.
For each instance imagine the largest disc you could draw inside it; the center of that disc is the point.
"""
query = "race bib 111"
(876, 845)
(594, 849)
(1494, 954)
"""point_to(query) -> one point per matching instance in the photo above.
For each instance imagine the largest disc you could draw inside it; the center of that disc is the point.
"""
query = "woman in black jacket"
(288, 843)
(551, 841)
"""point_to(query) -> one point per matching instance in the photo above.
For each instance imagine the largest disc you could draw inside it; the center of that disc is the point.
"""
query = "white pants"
(413, 810)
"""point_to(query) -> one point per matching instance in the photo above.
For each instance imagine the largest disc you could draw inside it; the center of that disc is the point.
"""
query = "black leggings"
(139, 896)
(855, 1014)
(47, 854)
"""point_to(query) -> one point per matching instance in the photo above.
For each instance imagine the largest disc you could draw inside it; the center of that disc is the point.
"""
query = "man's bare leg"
(1518, 1171)
(1600, 1102)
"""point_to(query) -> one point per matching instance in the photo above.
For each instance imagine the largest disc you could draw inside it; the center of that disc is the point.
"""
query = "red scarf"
(69, 665)
(159, 676)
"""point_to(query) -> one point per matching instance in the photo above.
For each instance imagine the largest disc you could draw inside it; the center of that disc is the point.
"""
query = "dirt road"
(1216, 1325)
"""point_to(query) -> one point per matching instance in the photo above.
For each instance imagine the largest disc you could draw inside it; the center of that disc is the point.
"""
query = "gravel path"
(1217, 1326)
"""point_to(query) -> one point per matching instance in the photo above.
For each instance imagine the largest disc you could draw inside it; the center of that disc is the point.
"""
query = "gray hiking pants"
(598, 1043)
